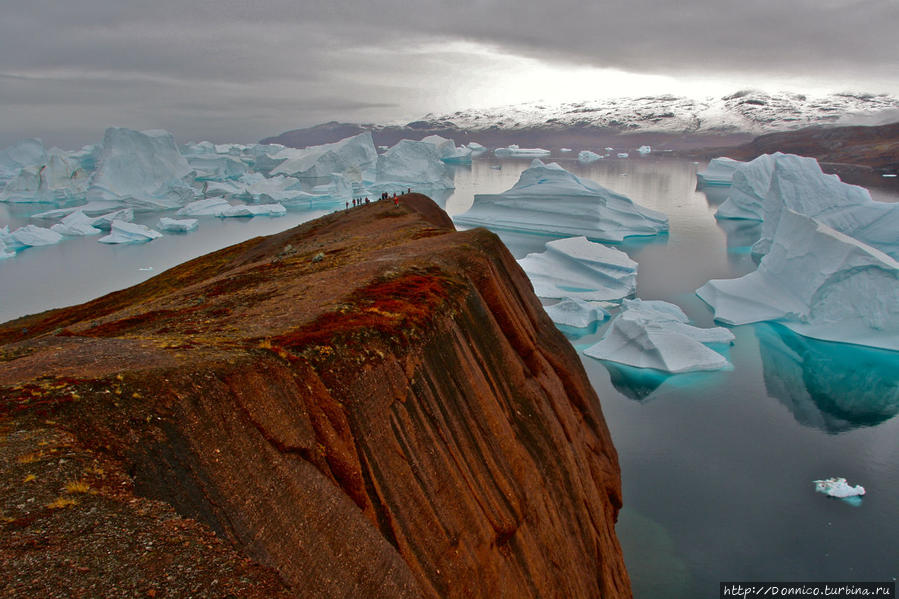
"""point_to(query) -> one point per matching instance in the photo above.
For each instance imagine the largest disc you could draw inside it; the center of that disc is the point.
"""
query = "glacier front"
(549, 200)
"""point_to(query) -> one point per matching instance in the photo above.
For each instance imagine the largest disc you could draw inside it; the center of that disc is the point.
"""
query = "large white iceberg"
(720, 171)
(142, 170)
(28, 152)
(57, 179)
(411, 164)
(513, 151)
(798, 184)
(581, 269)
(76, 224)
(750, 182)
(447, 150)
(122, 232)
(350, 157)
(818, 282)
(547, 199)
(657, 335)
(577, 313)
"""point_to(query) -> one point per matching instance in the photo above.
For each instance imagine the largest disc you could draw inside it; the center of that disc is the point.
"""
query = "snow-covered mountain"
(746, 111)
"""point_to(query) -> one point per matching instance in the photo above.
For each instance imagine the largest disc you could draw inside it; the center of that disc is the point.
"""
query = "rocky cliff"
(368, 405)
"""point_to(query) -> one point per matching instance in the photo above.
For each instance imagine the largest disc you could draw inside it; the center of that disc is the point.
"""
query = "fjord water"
(717, 468)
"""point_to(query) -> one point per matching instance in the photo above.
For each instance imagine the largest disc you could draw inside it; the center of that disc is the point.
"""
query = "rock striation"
(368, 405)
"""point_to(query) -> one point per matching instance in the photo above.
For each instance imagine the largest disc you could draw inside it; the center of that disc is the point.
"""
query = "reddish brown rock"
(369, 405)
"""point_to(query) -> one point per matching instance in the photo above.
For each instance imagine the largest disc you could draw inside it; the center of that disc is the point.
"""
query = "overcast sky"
(229, 70)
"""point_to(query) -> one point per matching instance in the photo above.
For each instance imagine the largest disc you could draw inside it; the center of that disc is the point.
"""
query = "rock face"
(368, 405)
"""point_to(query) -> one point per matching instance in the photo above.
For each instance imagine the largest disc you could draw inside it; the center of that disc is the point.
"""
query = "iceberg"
(122, 232)
(476, 148)
(750, 182)
(28, 152)
(580, 269)
(720, 171)
(513, 151)
(587, 156)
(623, 154)
(178, 226)
(217, 167)
(447, 150)
(644, 150)
(577, 313)
(31, 235)
(350, 157)
(253, 210)
(838, 487)
(411, 164)
(76, 224)
(4, 251)
(56, 180)
(141, 170)
(817, 282)
(565, 150)
(205, 207)
(798, 184)
(657, 335)
(104, 221)
(549, 200)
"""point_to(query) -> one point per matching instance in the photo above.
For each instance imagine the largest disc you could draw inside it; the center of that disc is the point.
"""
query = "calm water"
(716, 467)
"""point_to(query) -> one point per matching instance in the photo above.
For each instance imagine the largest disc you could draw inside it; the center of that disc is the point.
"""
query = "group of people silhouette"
(384, 196)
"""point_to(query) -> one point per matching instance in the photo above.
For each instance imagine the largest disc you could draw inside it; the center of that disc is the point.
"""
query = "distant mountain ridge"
(668, 121)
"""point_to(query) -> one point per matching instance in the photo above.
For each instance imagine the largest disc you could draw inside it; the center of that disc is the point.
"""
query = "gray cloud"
(241, 70)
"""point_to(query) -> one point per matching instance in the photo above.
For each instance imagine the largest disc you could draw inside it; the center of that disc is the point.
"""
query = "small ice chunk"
(657, 335)
(513, 151)
(32, 235)
(178, 226)
(76, 224)
(577, 313)
(205, 207)
(124, 232)
(4, 251)
(581, 269)
(104, 221)
(586, 156)
(838, 487)
(565, 150)
(643, 150)
(476, 148)
(623, 154)
(253, 210)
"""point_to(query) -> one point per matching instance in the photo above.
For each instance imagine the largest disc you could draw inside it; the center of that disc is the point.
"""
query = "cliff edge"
(368, 405)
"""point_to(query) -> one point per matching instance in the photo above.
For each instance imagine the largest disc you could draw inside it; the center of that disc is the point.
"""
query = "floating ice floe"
(657, 335)
(586, 156)
(31, 236)
(178, 226)
(76, 224)
(205, 207)
(4, 251)
(720, 171)
(123, 232)
(818, 282)
(253, 210)
(513, 151)
(565, 150)
(547, 199)
(838, 487)
(581, 269)
(141, 169)
(351, 157)
(104, 221)
(411, 163)
(576, 313)
(476, 148)
(623, 154)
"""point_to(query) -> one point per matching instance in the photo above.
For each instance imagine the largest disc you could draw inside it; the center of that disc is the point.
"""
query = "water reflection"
(834, 387)
(635, 383)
